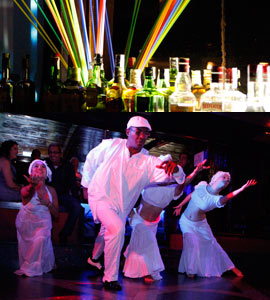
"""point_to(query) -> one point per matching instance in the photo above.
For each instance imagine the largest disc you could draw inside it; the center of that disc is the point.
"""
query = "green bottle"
(174, 63)
(95, 93)
(149, 99)
(163, 87)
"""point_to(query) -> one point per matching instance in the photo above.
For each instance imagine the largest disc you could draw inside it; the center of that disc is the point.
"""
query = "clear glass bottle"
(24, 90)
(255, 102)
(174, 64)
(94, 95)
(182, 100)
(197, 88)
(149, 99)
(234, 100)
(114, 101)
(163, 87)
(212, 100)
(6, 85)
(135, 85)
(72, 93)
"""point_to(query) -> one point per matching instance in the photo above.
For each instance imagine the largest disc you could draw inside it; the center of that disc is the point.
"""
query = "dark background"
(197, 32)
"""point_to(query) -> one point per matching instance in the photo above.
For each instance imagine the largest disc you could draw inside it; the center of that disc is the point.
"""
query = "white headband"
(49, 172)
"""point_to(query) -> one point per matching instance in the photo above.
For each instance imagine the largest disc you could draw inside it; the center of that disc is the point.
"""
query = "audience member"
(34, 222)
(9, 189)
(64, 182)
(75, 162)
(36, 154)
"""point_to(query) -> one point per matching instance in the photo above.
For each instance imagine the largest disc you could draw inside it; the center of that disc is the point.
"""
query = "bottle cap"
(184, 64)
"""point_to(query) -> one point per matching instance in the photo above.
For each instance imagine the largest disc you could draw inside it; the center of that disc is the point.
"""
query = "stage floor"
(74, 280)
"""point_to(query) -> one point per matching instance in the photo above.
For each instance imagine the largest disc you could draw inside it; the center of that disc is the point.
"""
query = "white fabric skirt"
(35, 248)
(142, 254)
(201, 254)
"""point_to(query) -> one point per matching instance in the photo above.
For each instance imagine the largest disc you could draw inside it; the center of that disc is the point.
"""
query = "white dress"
(201, 254)
(34, 224)
(142, 254)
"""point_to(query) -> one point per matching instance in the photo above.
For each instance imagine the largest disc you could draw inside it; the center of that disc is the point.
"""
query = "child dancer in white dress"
(201, 254)
(34, 222)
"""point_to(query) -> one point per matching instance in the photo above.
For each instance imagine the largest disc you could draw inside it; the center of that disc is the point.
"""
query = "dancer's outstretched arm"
(231, 195)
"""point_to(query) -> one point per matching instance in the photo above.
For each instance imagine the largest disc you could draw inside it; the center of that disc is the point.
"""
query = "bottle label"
(143, 104)
(51, 102)
(214, 106)
(113, 104)
(6, 94)
(158, 103)
(71, 102)
(113, 99)
(180, 108)
(91, 96)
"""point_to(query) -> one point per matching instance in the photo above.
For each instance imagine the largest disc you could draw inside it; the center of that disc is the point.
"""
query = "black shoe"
(112, 285)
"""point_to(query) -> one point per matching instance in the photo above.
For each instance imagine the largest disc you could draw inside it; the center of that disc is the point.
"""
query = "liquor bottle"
(234, 100)
(197, 88)
(182, 100)
(207, 79)
(212, 100)
(263, 85)
(6, 86)
(95, 91)
(135, 85)
(52, 97)
(24, 91)
(119, 62)
(72, 93)
(254, 88)
(149, 99)
(114, 102)
(174, 64)
(163, 87)
(130, 65)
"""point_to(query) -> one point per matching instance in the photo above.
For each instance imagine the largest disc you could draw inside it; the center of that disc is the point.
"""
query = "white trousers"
(110, 238)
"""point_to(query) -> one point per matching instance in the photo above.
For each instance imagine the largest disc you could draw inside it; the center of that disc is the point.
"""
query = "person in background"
(34, 222)
(114, 174)
(201, 254)
(64, 182)
(143, 258)
(36, 154)
(75, 162)
(9, 189)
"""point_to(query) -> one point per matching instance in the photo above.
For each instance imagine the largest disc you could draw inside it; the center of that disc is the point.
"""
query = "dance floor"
(74, 279)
